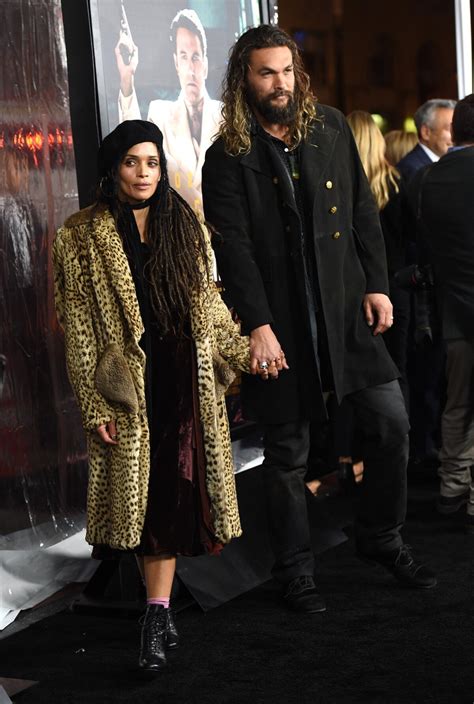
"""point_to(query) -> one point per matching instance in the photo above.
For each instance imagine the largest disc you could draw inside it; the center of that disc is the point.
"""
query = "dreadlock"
(236, 113)
(178, 265)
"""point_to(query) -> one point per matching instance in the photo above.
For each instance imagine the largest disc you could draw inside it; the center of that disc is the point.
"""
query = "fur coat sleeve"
(73, 311)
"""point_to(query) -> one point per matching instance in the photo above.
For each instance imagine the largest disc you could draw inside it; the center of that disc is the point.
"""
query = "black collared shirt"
(291, 159)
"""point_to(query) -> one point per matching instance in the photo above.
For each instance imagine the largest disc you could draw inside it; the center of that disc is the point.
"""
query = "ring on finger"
(263, 365)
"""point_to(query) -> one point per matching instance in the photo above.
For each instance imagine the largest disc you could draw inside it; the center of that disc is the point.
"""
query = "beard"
(273, 114)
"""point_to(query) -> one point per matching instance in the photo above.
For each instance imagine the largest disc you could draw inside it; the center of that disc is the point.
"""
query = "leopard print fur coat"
(97, 308)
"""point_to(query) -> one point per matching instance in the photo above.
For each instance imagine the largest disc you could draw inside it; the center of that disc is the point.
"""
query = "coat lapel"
(315, 155)
(264, 159)
(209, 130)
(108, 260)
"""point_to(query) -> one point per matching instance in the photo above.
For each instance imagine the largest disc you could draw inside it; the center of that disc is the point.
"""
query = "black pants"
(381, 428)
(427, 395)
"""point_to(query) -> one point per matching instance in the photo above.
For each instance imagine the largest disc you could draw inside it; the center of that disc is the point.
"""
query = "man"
(189, 123)
(301, 255)
(426, 357)
(447, 214)
(433, 124)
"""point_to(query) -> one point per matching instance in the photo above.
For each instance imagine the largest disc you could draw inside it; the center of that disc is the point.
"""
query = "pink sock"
(163, 600)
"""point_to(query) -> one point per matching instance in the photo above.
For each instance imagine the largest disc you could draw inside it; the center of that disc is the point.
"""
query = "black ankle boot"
(172, 636)
(153, 640)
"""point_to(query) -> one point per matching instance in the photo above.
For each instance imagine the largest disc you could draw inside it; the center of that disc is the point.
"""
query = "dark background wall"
(384, 57)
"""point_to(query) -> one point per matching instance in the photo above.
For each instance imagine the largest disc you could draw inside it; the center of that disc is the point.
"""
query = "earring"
(104, 181)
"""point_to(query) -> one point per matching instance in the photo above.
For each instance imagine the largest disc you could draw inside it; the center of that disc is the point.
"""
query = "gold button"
(336, 235)
(328, 185)
(274, 179)
(333, 210)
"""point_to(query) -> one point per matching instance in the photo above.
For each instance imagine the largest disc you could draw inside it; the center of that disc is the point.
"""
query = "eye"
(129, 162)
(153, 163)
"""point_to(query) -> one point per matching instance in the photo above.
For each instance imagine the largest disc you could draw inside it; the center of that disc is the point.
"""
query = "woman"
(397, 145)
(384, 181)
(134, 285)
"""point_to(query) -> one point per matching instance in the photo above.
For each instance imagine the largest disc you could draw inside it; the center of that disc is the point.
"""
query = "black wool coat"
(447, 217)
(259, 248)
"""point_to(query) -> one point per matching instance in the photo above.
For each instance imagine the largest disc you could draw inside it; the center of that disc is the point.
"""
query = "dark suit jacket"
(250, 201)
(447, 218)
(411, 162)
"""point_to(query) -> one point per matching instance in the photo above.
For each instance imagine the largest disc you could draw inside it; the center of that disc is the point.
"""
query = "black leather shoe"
(450, 504)
(153, 640)
(172, 635)
(401, 564)
(301, 595)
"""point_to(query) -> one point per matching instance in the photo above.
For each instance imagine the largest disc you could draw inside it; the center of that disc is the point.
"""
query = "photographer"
(446, 213)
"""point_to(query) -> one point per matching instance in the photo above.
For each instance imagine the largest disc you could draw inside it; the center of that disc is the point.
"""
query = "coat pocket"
(223, 374)
(113, 379)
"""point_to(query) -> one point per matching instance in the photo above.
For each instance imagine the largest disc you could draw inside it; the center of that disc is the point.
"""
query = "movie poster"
(163, 60)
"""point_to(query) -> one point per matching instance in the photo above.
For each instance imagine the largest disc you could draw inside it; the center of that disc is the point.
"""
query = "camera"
(420, 280)
(414, 277)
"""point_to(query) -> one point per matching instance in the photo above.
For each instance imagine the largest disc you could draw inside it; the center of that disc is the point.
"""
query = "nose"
(280, 82)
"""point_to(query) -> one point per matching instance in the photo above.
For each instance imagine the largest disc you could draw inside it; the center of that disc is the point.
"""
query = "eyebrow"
(136, 156)
(273, 70)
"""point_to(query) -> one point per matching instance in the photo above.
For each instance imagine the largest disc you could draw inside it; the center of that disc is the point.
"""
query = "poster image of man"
(191, 121)
(164, 60)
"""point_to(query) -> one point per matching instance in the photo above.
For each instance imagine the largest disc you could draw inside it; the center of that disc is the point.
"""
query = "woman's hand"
(108, 433)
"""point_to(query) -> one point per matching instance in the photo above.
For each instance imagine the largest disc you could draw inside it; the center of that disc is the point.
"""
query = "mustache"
(280, 93)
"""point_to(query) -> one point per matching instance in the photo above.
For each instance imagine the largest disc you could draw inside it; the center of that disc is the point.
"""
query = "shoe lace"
(404, 554)
(154, 625)
(300, 584)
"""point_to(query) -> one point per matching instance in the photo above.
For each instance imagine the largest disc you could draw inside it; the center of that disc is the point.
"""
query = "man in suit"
(447, 214)
(433, 123)
(301, 255)
(189, 123)
(426, 357)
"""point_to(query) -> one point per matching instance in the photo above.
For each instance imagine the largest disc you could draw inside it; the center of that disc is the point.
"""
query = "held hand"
(108, 433)
(379, 310)
(266, 356)
(126, 71)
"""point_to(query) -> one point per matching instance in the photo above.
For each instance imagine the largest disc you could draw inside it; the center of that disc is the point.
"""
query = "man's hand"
(108, 433)
(378, 310)
(265, 349)
(126, 71)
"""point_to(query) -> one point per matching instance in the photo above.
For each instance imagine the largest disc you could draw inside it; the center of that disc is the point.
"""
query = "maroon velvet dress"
(178, 517)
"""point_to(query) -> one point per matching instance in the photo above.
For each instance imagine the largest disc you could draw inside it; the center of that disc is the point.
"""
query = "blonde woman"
(397, 145)
(384, 182)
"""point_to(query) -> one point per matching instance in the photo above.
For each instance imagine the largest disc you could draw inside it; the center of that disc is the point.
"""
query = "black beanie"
(122, 138)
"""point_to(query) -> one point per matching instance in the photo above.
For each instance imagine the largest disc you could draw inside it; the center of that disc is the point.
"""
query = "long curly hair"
(236, 122)
(178, 267)
(382, 176)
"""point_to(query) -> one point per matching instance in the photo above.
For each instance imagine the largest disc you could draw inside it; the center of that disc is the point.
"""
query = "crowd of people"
(423, 195)
(307, 214)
